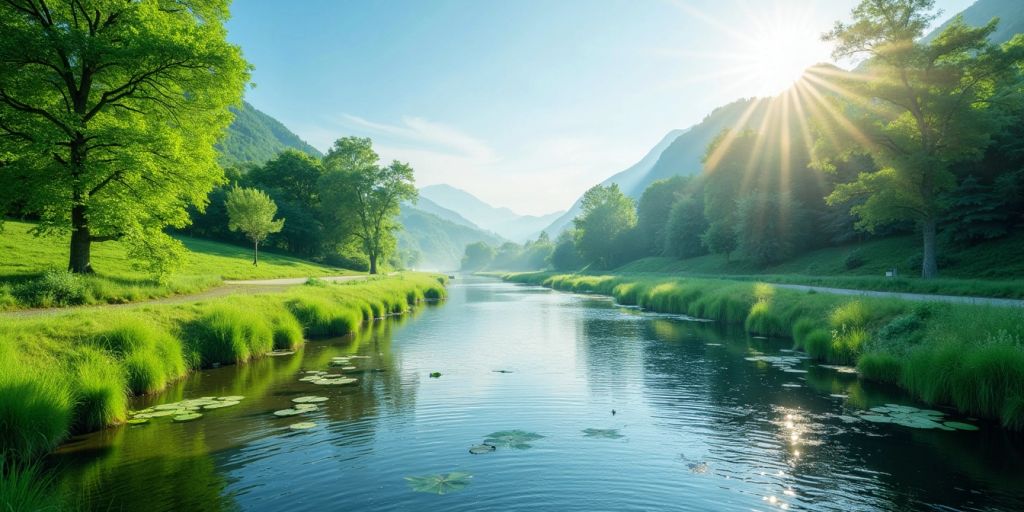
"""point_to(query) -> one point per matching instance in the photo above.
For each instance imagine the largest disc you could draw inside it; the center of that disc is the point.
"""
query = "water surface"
(704, 425)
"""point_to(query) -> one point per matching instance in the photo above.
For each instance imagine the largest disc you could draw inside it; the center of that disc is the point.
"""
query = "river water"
(685, 415)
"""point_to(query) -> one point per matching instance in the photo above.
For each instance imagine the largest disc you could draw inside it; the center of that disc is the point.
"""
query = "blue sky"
(525, 104)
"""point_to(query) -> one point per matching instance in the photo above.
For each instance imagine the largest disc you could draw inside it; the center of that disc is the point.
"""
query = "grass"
(26, 487)
(74, 371)
(31, 271)
(988, 270)
(967, 356)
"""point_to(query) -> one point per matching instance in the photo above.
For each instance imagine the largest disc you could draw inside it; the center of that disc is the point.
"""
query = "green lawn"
(25, 258)
(994, 269)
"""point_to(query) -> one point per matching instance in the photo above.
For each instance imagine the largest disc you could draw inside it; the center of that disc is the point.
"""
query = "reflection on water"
(638, 412)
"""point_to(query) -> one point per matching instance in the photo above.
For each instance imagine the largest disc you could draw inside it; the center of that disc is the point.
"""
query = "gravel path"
(956, 299)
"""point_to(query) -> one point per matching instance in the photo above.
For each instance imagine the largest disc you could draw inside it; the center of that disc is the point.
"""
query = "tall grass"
(74, 372)
(970, 357)
(25, 487)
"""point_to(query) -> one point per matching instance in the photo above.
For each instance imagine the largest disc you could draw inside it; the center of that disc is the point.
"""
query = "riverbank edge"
(75, 373)
(970, 357)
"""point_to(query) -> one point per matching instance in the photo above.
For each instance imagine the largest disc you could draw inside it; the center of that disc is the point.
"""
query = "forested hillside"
(255, 137)
(436, 243)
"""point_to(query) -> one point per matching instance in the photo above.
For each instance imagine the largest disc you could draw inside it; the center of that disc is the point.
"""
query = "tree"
(653, 210)
(565, 256)
(917, 108)
(686, 224)
(251, 211)
(111, 111)
(606, 213)
(478, 256)
(769, 227)
(361, 199)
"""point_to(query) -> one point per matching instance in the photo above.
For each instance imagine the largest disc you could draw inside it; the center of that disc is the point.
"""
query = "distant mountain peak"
(255, 137)
(500, 220)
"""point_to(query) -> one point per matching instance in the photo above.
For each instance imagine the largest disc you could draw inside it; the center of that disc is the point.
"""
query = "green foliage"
(606, 215)
(363, 197)
(26, 487)
(36, 407)
(323, 319)
(254, 138)
(123, 142)
(653, 211)
(958, 77)
(769, 228)
(565, 256)
(478, 256)
(251, 211)
(151, 357)
(226, 335)
(880, 367)
(686, 224)
(54, 288)
(100, 391)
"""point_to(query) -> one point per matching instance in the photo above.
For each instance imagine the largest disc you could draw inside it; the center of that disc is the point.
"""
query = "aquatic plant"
(517, 439)
(441, 483)
(602, 433)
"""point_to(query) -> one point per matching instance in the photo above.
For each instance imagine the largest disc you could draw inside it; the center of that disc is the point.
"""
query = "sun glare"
(779, 54)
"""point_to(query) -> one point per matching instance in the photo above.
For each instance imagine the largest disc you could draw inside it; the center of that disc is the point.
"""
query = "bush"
(818, 344)
(100, 391)
(322, 318)
(854, 259)
(227, 335)
(36, 409)
(54, 288)
(763, 320)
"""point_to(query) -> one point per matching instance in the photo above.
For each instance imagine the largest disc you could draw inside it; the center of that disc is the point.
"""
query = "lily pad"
(440, 484)
(287, 412)
(220, 404)
(876, 418)
(603, 433)
(304, 425)
(698, 467)
(138, 421)
(167, 407)
(482, 448)
(916, 422)
(435, 375)
(517, 439)
(274, 353)
(960, 426)
(306, 407)
(233, 398)
(160, 414)
(334, 382)
(188, 417)
(311, 399)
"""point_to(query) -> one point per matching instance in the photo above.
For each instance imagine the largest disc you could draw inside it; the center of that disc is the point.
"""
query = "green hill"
(439, 242)
(255, 137)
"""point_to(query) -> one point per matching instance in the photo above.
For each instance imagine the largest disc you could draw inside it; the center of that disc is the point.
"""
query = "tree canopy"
(252, 212)
(606, 214)
(109, 112)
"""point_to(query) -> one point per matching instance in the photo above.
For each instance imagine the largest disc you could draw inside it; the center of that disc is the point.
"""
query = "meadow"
(966, 356)
(32, 271)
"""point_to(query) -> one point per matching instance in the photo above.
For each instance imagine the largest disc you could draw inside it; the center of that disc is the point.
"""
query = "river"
(638, 411)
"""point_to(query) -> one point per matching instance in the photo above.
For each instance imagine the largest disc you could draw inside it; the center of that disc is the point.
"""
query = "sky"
(523, 103)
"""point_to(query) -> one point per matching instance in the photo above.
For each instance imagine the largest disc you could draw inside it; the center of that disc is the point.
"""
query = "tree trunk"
(929, 260)
(80, 261)
(373, 263)
(255, 254)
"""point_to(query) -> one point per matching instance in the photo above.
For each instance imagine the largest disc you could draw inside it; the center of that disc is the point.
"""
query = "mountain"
(440, 242)
(426, 205)
(1009, 12)
(628, 180)
(255, 137)
(502, 221)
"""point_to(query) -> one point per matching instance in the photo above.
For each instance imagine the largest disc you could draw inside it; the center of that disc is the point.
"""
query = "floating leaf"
(603, 433)
(517, 439)
(482, 448)
(167, 407)
(334, 382)
(287, 412)
(138, 421)
(876, 419)
(160, 414)
(233, 398)
(304, 425)
(188, 417)
(306, 407)
(960, 426)
(274, 353)
(220, 404)
(439, 484)
(698, 467)
(311, 399)
(435, 375)
(916, 422)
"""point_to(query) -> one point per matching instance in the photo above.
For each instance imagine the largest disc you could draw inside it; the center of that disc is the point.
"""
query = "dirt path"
(247, 287)
(955, 299)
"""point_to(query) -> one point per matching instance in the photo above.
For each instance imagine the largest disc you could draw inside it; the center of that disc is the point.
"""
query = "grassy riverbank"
(31, 271)
(969, 357)
(75, 372)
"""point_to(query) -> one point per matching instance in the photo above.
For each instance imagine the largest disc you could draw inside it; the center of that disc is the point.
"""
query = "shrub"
(54, 288)
(854, 259)
(928, 371)
(818, 344)
(851, 315)
(100, 391)
(763, 320)
(986, 376)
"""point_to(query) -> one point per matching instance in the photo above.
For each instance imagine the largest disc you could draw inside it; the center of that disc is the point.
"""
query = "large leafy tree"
(606, 216)
(918, 108)
(252, 212)
(111, 110)
(478, 256)
(653, 211)
(361, 199)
